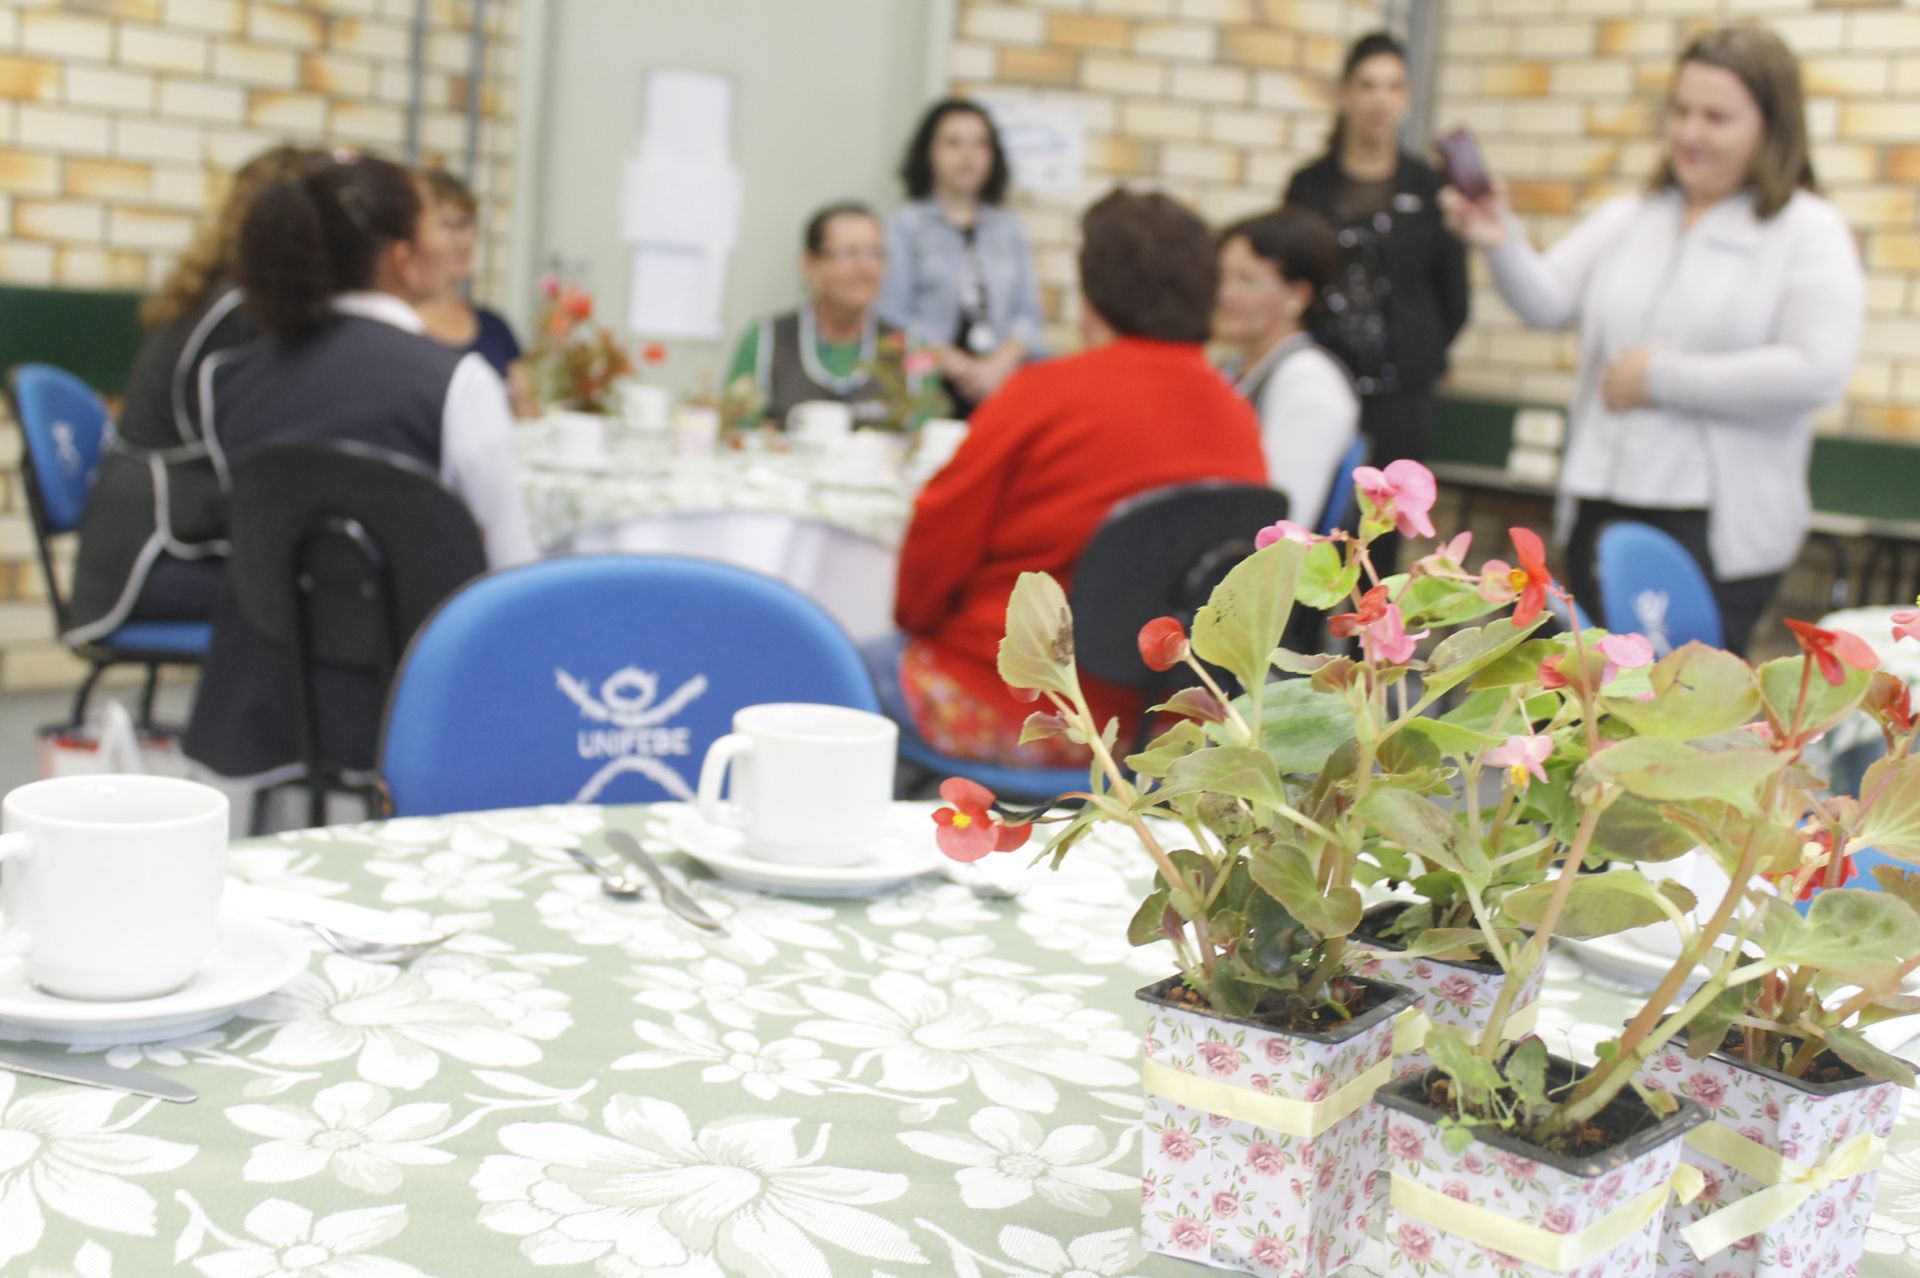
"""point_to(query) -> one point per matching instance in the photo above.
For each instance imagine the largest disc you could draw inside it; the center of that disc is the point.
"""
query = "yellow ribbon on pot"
(1410, 1031)
(1789, 1184)
(1283, 1114)
(1531, 1243)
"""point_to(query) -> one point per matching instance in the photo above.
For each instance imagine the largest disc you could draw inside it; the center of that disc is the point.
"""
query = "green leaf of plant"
(1634, 829)
(1242, 622)
(1526, 1071)
(1176, 743)
(1453, 1055)
(1827, 704)
(1859, 936)
(1892, 821)
(1422, 827)
(1522, 665)
(1465, 653)
(1286, 873)
(1697, 692)
(1904, 884)
(1452, 740)
(1404, 753)
(1708, 1029)
(1149, 921)
(1656, 768)
(1301, 727)
(1725, 833)
(1439, 601)
(1038, 649)
(1597, 905)
(1241, 771)
(1465, 944)
(1856, 1051)
(1325, 582)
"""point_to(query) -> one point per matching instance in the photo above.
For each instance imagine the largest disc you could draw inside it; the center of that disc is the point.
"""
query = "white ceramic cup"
(936, 443)
(820, 422)
(811, 783)
(578, 439)
(646, 407)
(110, 885)
(869, 456)
(696, 430)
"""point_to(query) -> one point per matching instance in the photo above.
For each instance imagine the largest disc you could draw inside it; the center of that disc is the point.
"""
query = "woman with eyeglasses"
(959, 269)
(331, 260)
(824, 349)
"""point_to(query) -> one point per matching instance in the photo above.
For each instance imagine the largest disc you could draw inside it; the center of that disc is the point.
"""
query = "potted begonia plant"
(1266, 813)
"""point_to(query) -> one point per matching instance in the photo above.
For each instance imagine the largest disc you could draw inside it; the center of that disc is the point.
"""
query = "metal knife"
(95, 1074)
(672, 895)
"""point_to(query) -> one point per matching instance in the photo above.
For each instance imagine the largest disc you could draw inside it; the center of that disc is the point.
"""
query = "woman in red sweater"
(1050, 455)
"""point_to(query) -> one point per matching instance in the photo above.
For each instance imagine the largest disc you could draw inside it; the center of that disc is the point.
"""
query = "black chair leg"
(257, 819)
(84, 695)
(316, 803)
(147, 694)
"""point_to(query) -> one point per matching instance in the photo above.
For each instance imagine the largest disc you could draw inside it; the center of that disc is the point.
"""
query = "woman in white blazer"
(1716, 312)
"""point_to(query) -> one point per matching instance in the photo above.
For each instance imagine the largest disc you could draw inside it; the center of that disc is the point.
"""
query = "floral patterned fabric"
(926, 1083)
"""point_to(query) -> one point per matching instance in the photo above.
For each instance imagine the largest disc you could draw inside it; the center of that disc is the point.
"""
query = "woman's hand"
(1481, 223)
(1623, 386)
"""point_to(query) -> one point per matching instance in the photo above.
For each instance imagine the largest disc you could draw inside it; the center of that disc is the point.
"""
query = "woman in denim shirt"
(959, 271)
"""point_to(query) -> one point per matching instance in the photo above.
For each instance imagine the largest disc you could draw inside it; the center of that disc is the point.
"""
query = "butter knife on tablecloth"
(95, 1074)
(672, 895)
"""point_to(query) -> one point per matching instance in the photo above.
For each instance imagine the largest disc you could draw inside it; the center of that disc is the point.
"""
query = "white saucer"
(252, 958)
(907, 852)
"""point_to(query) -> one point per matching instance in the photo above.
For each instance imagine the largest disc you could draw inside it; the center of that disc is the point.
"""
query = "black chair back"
(1160, 555)
(340, 552)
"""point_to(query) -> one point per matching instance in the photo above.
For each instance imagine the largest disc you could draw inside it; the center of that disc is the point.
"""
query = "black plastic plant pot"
(1384, 1001)
(1644, 1130)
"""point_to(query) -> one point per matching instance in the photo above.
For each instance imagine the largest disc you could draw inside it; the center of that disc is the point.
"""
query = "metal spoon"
(611, 883)
(371, 951)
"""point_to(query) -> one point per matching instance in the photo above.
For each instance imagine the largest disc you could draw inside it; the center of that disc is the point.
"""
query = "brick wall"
(1565, 96)
(1213, 101)
(121, 119)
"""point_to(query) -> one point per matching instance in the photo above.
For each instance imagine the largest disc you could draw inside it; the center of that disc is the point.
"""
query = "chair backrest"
(600, 678)
(1158, 555)
(66, 428)
(1340, 494)
(344, 549)
(1650, 584)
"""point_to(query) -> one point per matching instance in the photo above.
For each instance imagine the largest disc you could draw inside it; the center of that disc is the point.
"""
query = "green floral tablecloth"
(924, 1083)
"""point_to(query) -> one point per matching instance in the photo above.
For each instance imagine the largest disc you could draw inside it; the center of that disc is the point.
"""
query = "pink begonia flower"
(1496, 582)
(1624, 652)
(1387, 639)
(1285, 530)
(1906, 625)
(1404, 492)
(1521, 756)
(918, 363)
(1451, 554)
(550, 285)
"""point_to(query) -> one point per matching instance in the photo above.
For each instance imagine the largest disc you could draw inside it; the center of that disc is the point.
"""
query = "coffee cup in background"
(820, 423)
(110, 885)
(811, 784)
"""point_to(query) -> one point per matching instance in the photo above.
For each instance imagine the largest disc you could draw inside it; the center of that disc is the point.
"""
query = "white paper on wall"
(1045, 141)
(680, 206)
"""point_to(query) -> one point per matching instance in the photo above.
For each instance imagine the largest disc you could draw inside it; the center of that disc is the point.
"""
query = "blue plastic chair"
(1650, 584)
(599, 678)
(1340, 496)
(66, 429)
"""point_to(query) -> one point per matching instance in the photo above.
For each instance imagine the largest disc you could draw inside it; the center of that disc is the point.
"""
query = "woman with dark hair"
(451, 318)
(959, 271)
(153, 539)
(1399, 293)
(1716, 312)
(822, 350)
(1048, 457)
(330, 261)
(1274, 271)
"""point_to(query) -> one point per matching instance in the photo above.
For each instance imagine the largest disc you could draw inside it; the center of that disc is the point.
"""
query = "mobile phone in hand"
(1466, 168)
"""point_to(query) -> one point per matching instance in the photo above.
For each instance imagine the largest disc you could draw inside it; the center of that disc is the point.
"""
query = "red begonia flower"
(1831, 650)
(1163, 643)
(968, 830)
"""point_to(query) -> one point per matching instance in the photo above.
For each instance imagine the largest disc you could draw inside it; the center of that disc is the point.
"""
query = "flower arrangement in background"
(907, 380)
(574, 362)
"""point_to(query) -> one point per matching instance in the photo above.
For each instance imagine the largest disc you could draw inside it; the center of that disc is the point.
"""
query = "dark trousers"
(1396, 427)
(1740, 600)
